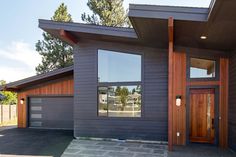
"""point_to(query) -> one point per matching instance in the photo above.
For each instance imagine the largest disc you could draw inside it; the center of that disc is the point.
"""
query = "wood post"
(223, 108)
(170, 82)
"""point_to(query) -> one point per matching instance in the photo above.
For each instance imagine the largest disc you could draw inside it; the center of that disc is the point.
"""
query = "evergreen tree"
(117, 92)
(107, 12)
(55, 53)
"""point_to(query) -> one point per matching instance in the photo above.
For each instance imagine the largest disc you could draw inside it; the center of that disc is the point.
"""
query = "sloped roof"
(150, 27)
(30, 81)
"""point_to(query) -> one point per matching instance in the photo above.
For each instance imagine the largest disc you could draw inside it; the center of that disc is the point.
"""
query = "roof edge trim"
(164, 12)
(88, 28)
(13, 85)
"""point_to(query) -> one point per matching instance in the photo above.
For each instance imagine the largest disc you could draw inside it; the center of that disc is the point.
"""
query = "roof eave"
(88, 29)
(164, 12)
(14, 86)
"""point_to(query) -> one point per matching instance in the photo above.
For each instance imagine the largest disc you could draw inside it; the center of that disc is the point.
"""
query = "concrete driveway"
(33, 142)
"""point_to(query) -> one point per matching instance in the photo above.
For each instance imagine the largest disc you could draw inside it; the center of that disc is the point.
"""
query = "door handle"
(212, 123)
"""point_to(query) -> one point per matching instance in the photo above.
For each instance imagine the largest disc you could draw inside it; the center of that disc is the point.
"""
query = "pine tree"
(55, 53)
(107, 12)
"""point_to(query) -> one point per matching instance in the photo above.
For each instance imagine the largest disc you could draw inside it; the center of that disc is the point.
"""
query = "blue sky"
(118, 67)
(19, 29)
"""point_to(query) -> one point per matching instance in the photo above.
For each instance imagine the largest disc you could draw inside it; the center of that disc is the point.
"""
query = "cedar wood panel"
(179, 88)
(64, 86)
(232, 102)
(198, 108)
(153, 123)
(223, 107)
(170, 81)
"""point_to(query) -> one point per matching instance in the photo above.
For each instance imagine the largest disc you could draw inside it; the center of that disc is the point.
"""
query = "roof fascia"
(88, 28)
(13, 85)
(164, 12)
(214, 7)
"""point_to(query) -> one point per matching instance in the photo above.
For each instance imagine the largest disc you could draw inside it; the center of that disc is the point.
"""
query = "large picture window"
(119, 84)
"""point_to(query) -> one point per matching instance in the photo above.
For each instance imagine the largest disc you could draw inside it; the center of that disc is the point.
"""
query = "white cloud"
(21, 51)
(18, 60)
(11, 74)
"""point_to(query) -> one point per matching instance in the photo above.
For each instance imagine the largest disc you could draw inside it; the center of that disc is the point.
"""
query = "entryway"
(202, 108)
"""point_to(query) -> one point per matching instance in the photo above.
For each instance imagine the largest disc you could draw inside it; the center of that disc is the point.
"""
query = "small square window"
(202, 68)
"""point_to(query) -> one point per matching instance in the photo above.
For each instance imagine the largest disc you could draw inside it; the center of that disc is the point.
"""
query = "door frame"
(216, 110)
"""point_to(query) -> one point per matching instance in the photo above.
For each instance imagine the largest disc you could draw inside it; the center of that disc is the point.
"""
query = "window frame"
(211, 58)
(128, 83)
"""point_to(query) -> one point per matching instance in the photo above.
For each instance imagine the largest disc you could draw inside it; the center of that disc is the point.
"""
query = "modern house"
(172, 77)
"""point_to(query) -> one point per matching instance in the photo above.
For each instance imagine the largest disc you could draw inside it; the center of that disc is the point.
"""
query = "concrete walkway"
(90, 148)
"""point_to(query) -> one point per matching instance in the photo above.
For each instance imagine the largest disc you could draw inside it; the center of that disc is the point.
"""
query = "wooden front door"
(202, 103)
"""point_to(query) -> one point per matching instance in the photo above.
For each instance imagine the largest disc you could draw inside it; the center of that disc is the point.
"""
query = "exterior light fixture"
(22, 101)
(203, 37)
(178, 100)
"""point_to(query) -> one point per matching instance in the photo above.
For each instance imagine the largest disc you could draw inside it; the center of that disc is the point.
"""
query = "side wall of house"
(232, 102)
(153, 123)
(63, 86)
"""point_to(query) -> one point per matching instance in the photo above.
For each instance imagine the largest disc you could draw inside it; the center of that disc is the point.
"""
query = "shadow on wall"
(34, 142)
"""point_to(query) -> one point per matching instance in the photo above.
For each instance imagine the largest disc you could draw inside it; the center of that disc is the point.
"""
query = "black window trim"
(217, 68)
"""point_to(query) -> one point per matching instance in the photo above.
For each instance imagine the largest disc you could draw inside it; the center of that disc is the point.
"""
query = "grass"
(9, 123)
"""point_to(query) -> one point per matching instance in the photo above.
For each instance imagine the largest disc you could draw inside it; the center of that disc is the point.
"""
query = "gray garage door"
(51, 112)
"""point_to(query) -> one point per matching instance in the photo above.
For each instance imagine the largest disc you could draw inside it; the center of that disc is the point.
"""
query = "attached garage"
(45, 101)
(51, 112)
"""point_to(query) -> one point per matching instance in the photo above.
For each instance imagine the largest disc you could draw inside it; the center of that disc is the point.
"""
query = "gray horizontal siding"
(232, 102)
(153, 123)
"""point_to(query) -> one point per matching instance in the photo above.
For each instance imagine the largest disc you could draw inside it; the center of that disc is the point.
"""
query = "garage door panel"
(58, 124)
(51, 112)
(35, 124)
(36, 108)
(35, 101)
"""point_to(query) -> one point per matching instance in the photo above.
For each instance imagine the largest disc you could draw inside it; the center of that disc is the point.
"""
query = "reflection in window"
(119, 84)
(118, 67)
(202, 68)
(120, 101)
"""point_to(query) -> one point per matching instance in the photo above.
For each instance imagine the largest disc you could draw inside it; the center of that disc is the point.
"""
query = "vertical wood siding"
(232, 102)
(179, 88)
(153, 123)
(223, 108)
(64, 86)
(170, 81)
